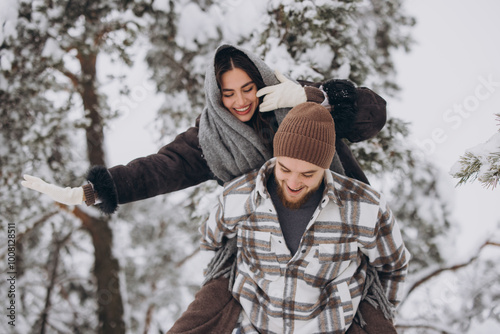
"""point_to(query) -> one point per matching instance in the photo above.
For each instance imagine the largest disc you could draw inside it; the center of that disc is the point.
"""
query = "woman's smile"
(239, 94)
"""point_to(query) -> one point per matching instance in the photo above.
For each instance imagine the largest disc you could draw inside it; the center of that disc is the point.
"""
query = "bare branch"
(452, 267)
(72, 77)
(149, 318)
(40, 221)
(437, 329)
(53, 274)
(181, 262)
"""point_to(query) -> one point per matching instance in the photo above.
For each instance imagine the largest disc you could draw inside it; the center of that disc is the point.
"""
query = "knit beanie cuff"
(303, 148)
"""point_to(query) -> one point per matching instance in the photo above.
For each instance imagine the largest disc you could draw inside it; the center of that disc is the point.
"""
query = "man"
(305, 235)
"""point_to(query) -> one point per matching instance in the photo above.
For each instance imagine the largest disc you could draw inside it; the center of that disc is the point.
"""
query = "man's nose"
(293, 181)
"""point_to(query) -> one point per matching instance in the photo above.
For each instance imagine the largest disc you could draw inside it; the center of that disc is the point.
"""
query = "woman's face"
(239, 94)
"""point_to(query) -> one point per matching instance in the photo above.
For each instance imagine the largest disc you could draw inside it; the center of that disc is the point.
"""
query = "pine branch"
(470, 166)
(482, 167)
(491, 177)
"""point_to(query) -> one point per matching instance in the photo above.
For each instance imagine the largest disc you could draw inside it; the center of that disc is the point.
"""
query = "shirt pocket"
(257, 253)
(329, 260)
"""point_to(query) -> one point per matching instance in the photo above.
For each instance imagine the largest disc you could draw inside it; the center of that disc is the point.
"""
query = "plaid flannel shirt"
(318, 289)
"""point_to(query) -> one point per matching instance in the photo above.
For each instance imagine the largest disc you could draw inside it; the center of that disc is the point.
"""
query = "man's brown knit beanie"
(307, 133)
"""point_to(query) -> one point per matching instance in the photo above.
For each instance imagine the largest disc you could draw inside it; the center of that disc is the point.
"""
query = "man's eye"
(307, 176)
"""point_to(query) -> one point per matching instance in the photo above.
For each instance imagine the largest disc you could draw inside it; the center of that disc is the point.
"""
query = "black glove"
(342, 96)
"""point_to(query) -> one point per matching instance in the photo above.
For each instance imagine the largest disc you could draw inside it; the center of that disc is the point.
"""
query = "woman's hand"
(286, 94)
(68, 196)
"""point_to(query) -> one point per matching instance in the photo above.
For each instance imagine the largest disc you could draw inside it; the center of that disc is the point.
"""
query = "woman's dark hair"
(230, 58)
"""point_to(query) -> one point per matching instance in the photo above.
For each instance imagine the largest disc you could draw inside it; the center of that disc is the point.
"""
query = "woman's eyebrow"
(247, 84)
(230, 89)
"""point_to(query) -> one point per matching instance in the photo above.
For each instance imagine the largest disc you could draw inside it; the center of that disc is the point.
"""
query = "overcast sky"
(451, 91)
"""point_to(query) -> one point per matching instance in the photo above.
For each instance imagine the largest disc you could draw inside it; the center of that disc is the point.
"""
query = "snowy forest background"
(72, 73)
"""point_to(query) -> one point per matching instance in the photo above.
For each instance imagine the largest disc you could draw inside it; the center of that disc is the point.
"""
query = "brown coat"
(181, 163)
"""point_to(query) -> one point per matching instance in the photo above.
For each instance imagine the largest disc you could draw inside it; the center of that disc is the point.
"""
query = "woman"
(224, 145)
(231, 137)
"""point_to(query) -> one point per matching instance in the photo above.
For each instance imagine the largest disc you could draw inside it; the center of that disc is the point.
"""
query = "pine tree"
(52, 125)
(480, 163)
(82, 272)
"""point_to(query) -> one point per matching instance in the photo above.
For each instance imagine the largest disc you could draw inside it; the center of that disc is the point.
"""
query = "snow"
(40, 20)
(161, 5)
(491, 146)
(321, 56)
(278, 57)
(488, 155)
(344, 70)
(456, 168)
(487, 326)
(239, 18)
(6, 59)
(9, 11)
(200, 29)
(436, 84)
(52, 50)
(8, 19)
(77, 30)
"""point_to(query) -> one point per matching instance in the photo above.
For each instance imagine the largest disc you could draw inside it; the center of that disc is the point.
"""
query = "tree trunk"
(106, 269)
(95, 134)
(109, 299)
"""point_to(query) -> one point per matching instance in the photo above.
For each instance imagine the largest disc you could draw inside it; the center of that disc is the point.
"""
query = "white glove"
(287, 94)
(68, 196)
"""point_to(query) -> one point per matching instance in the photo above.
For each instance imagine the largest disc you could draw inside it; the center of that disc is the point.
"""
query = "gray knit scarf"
(231, 147)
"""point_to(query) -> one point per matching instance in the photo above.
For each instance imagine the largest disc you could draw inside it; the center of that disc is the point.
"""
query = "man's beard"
(293, 205)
